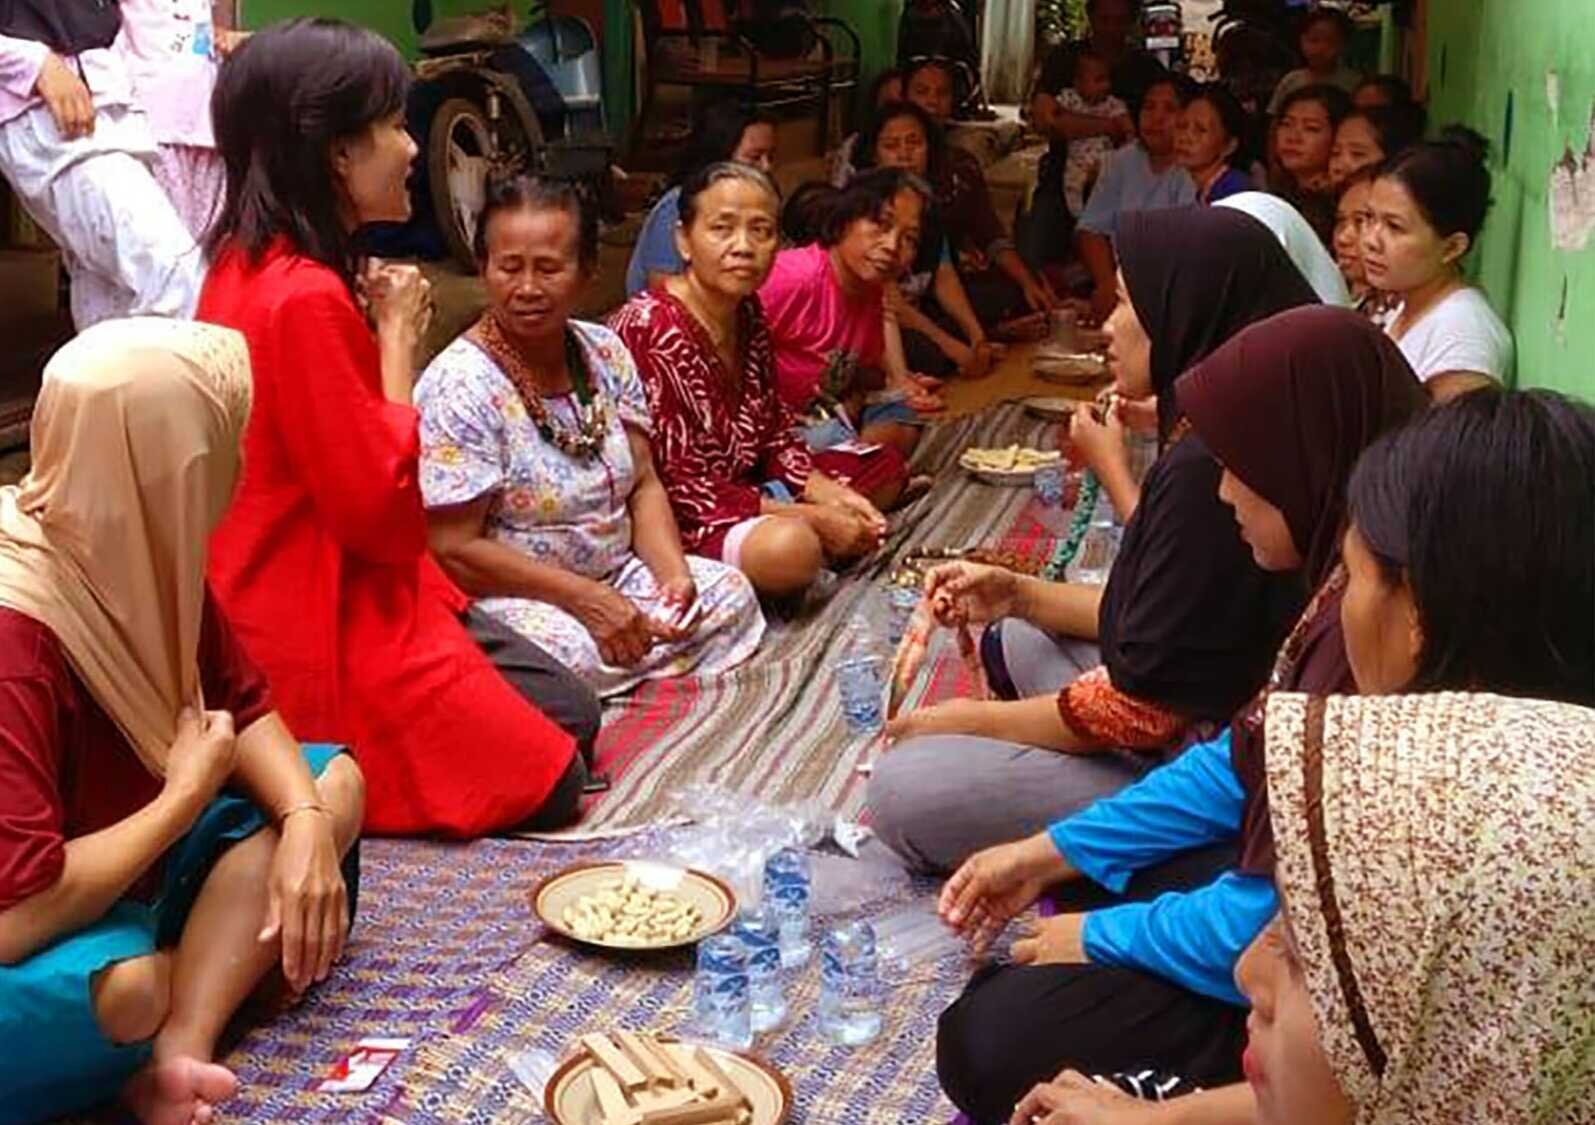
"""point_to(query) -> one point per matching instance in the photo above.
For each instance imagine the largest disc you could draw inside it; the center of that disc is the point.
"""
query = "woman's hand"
(227, 41)
(680, 594)
(201, 758)
(66, 96)
(399, 298)
(1073, 1099)
(996, 885)
(955, 716)
(307, 903)
(622, 631)
(1104, 298)
(1038, 294)
(1100, 443)
(965, 593)
(978, 362)
(924, 393)
(972, 261)
(1058, 940)
(844, 534)
(1137, 414)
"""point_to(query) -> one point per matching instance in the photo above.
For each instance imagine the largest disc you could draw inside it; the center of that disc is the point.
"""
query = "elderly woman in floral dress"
(538, 474)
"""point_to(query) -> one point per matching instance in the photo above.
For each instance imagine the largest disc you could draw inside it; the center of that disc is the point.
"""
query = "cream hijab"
(1300, 241)
(1437, 866)
(135, 452)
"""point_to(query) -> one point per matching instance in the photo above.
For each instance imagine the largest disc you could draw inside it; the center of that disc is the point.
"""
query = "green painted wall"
(1481, 53)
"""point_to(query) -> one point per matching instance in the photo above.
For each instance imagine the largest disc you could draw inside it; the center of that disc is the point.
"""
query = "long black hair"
(718, 135)
(1485, 507)
(281, 102)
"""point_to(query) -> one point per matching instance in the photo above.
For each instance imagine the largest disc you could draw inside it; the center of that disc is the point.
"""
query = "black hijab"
(1188, 620)
(1197, 276)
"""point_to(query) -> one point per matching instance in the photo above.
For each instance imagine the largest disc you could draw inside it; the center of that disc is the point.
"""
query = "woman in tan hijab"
(164, 843)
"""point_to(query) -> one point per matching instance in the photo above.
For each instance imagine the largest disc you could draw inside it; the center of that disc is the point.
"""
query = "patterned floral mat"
(557, 992)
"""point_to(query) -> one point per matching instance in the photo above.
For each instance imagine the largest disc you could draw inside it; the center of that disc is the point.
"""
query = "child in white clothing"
(1090, 95)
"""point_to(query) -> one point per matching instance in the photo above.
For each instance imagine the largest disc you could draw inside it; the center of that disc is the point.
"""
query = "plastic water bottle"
(786, 894)
(760, 933)
(850, 1011)
(860, 680)
(720, 992)
(901, 602)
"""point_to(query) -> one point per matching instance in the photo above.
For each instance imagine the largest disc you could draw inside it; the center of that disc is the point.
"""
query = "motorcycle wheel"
(460, 156)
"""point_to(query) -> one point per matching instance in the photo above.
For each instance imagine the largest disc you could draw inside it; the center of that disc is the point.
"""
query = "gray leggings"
(939, 799)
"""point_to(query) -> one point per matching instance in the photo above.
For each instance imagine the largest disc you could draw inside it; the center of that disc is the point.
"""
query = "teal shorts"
(56, 1060)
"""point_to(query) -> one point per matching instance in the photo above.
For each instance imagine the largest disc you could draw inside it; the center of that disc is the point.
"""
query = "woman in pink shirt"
(824, 304)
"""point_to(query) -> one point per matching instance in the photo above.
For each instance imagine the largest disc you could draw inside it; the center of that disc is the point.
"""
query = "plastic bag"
(733, 835)
(839, 885)
(913, 938)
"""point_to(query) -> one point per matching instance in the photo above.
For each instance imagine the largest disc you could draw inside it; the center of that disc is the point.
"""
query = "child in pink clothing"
(171, 49)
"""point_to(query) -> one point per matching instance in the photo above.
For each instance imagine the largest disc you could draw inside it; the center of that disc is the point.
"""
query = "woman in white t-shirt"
(1424, 212)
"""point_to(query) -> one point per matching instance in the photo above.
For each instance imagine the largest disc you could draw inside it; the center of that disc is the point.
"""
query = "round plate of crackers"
(1071, 368)
(1014, 465)
(637, 1078)
(634, 904)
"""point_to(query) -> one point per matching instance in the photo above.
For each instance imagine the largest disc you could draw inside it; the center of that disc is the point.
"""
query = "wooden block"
(721, 1109)
(611, 1101)
(700, 1079)
(667, 1059)
(614, 1061)
(664, 1097)
(727, 1084)
(641, 1052)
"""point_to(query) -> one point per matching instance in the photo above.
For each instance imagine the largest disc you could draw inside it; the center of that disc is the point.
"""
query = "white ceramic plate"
(570, 1099)
(716, 902)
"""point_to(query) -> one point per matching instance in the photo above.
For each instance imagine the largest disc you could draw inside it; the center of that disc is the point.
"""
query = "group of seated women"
(267, 588)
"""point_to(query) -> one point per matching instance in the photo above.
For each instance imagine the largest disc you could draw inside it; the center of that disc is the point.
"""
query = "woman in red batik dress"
(740, 477)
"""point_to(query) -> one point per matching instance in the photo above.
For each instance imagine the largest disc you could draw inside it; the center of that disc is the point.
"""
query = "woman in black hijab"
(1187, 624)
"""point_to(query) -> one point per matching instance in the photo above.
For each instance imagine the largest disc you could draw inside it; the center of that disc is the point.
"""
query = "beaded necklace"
(586, 438)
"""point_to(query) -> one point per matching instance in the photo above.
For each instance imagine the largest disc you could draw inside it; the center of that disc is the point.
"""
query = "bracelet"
(302, 806)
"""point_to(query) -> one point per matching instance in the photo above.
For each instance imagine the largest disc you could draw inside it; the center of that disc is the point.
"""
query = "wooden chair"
(700, 44)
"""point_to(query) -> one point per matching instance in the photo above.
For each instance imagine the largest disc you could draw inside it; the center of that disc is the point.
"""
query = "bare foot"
(178, 1091)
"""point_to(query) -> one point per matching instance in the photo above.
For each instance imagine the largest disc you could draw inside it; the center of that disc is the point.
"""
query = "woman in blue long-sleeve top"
(1286, 407)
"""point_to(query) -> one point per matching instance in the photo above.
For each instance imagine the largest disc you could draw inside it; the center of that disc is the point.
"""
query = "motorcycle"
(484, 108)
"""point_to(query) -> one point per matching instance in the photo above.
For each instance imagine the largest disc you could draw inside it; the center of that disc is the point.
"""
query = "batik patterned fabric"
(718, 435)
(478, 440)
(1102, 715)
(1437, 866)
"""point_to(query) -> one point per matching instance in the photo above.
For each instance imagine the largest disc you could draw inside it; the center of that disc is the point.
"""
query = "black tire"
(459, 157)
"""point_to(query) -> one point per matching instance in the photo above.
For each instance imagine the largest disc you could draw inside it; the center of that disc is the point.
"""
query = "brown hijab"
(1288, 406)
(135, 453)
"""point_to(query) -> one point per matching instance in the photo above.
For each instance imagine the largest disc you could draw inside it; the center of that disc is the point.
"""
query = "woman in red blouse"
(739, 474)
(322, 560)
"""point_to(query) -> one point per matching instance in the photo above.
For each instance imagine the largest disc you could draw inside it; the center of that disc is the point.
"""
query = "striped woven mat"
(773, 728)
